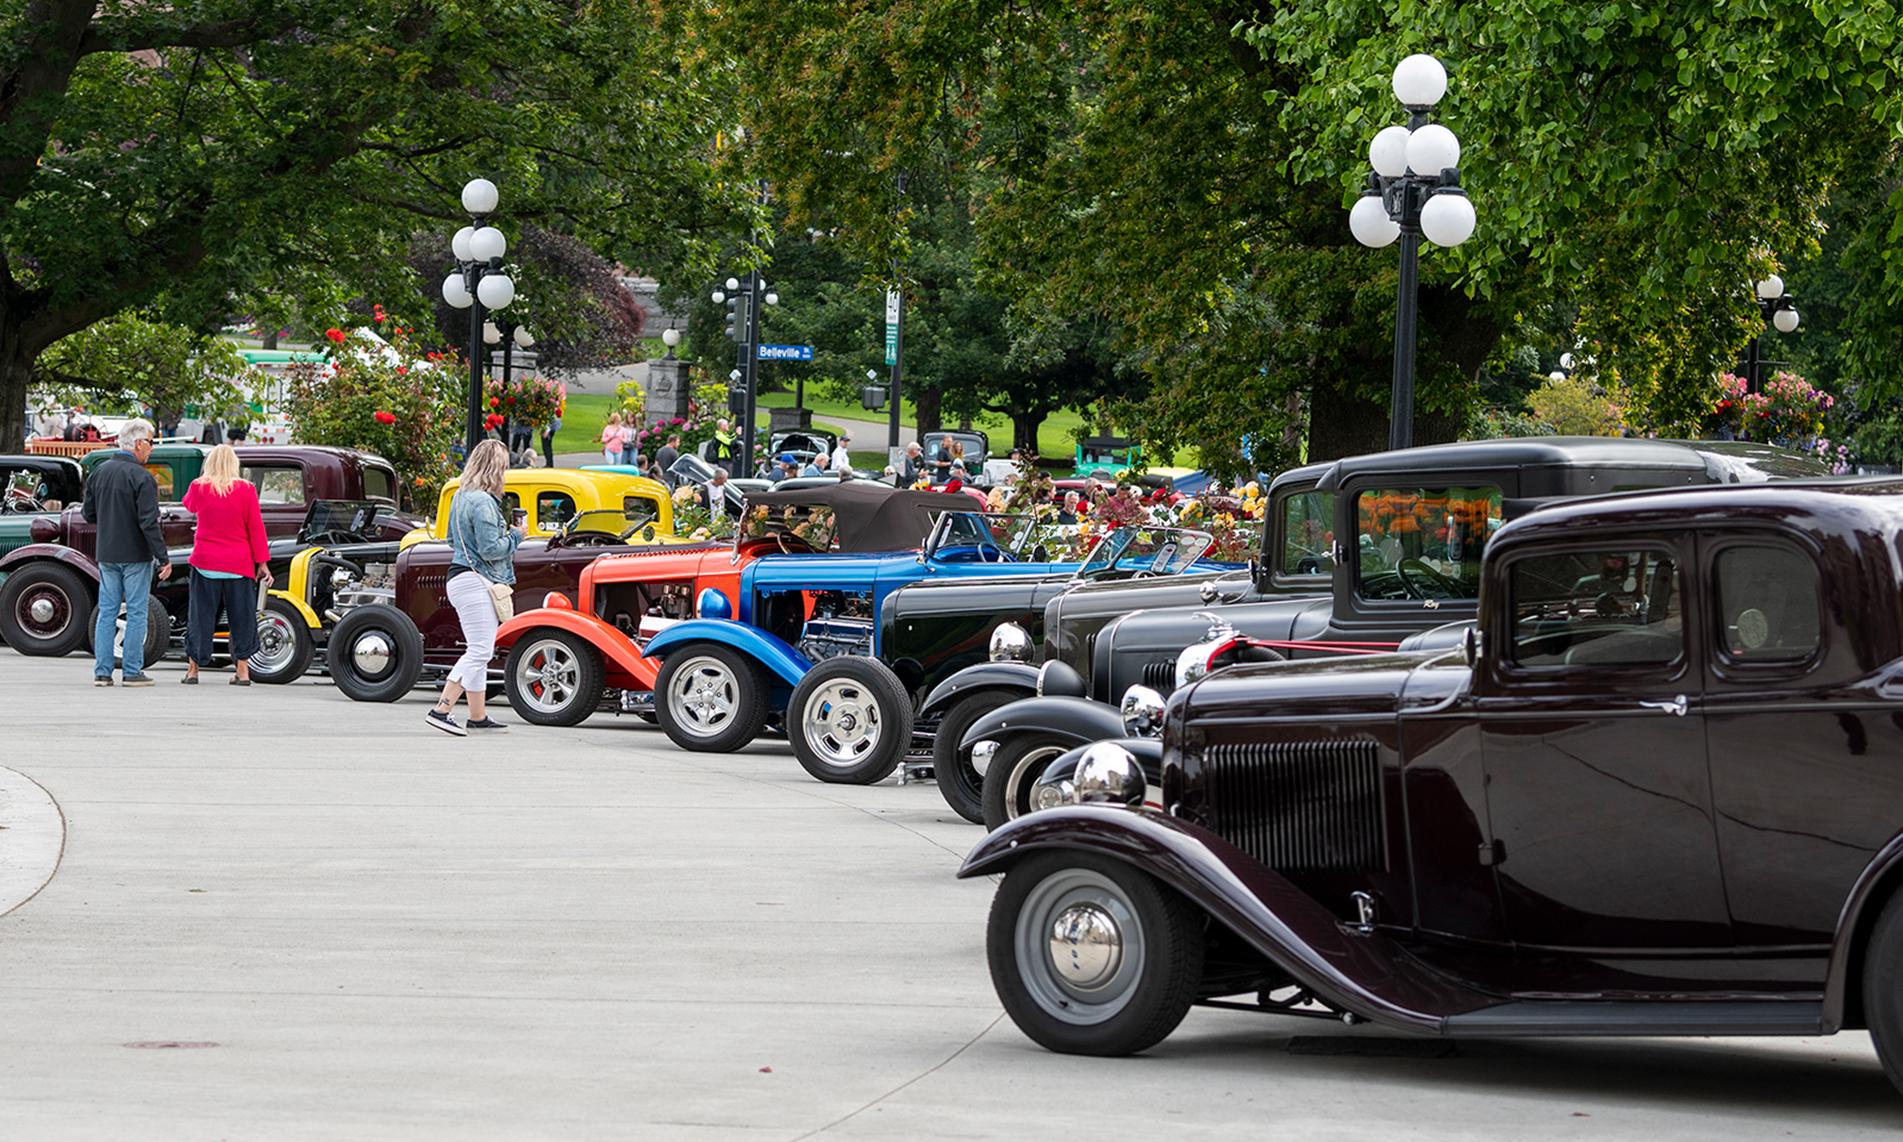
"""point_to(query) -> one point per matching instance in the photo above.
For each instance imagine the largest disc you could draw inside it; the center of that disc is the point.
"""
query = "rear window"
(379, 484)
(1767, 604)
(277, 484)
(163, 474)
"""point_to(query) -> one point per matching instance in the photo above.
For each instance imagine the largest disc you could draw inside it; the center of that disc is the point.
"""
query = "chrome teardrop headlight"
(1010, 643)
(1142, 711)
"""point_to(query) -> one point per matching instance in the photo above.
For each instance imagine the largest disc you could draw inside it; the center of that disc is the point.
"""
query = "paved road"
(388, 933)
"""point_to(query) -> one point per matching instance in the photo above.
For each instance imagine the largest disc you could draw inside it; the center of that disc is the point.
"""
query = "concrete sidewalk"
(281, 914)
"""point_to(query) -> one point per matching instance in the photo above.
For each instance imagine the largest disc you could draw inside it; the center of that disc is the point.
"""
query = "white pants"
(476, 611)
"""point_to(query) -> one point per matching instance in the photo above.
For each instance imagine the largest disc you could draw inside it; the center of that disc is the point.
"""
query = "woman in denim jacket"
(482, 546)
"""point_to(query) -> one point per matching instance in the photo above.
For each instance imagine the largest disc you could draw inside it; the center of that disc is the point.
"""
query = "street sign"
(786, 353)
(891, 327)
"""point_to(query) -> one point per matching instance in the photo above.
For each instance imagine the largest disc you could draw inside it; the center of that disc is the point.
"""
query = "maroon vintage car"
(1657, 791)
(51, 582)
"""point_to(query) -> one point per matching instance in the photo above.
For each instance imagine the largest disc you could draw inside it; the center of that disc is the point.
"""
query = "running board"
(1526, 1017)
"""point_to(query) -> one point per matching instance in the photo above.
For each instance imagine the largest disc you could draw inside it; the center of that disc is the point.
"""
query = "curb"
(32, 839)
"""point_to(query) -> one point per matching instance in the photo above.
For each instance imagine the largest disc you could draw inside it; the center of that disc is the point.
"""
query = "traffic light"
(737, 319)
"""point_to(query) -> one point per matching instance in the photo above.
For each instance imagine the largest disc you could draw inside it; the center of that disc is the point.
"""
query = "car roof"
(1843, 508)
(872, 516)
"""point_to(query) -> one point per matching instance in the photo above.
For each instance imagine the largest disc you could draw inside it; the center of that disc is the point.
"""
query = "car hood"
(1364, 686)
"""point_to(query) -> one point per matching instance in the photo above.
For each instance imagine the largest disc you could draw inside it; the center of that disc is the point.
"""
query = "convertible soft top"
(871, 516)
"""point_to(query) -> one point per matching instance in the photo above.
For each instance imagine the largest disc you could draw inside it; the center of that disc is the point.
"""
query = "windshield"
(1019, 537)
(1423, 543)
(1150, 550)
(600, 521)
(341, 517)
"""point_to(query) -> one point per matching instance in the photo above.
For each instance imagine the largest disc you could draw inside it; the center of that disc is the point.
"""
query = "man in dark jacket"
(668, 453)
(122, 501)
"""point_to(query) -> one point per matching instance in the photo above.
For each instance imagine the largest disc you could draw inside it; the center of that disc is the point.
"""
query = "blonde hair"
(486, 466)
(220, 470)
(614, 419)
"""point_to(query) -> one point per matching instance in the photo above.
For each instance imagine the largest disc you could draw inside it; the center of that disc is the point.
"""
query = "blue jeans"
(131, 584)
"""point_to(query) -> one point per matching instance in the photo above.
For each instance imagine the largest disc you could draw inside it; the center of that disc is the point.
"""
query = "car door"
(1593, 743)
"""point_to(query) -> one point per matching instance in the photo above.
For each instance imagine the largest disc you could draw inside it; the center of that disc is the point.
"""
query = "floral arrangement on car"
(693, 520)
(818, 527)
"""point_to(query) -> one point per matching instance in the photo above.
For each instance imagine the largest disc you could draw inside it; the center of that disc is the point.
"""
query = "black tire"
(963, 786)
(1882, 995)
(1021, 759)
(285, 645)
(158, 633)
(360, 675)
(1124, 1002)
(850, 721)
(724, 676)
(58, 593)
(553, 677)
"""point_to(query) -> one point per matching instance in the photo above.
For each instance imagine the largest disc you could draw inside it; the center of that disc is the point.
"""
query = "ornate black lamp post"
(478, 285)
(1780, 313)
(1413, 192)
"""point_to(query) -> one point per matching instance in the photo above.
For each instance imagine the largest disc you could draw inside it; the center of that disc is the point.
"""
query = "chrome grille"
(1299, 805)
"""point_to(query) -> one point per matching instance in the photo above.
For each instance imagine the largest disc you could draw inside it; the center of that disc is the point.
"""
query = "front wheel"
(553, 677)
(960, 783)
(1092, 957)
(285, 644)
(1014, 769)
(375, 654)
(850, 721)
(709, 698)
(41, 609)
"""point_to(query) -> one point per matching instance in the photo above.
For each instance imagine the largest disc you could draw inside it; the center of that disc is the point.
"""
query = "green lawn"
(587, 412)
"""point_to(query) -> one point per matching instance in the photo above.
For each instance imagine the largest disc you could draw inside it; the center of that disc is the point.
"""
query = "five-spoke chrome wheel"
(703, 696)
(841, 722)
(554, 677)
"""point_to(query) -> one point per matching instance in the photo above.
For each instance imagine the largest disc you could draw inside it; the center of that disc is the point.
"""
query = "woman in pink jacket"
(230, 561)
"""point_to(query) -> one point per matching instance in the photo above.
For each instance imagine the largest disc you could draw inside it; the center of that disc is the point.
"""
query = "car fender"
(1843, 973)
(1079, 719)
(34, 552)
(984, 676)
(1364, 973)
(303, 608)
(626, 666)
(775, 654)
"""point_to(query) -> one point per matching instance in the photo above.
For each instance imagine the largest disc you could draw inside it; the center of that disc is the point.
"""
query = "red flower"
(385, 417)
(336, 335)
(492, 421)
(402, 369)
(495, 402)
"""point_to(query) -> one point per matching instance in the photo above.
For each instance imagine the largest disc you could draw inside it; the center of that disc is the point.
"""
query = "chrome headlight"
(1010, 643)
(1108, 773)
(1050, 795)
(1142, 712)
(1193, 662)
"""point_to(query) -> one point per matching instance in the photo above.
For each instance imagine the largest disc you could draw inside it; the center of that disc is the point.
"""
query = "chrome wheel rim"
(1017, 784)
(277, 642)
(1079, 947)
(703, 696)
(45, 611)
(372, 653)
(842, 723)
(549, 676)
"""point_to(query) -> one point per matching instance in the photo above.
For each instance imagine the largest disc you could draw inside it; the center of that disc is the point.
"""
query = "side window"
(378, 484)
(277, 485)
(1423, 543)
(1767, 604)
(553, 509)
(639, 509)
(1597, 607)
(1308, 534)
(168, 490)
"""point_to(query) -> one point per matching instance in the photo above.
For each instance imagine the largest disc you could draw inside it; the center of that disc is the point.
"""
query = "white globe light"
(495, 291)
(1565, 360)
(1432, 149)
(1556, 375)
(1419, 81)
(1447, 219)
(488, 244)
(1785, 320)
(1771, 288)
(490, 334)
(719, 295)
(1387, 154)
(522, 338)
(1369, 221)
(733, 283)
(455, 292)
(773, 299)
(480, 196)
(670, 337)
(459, 245)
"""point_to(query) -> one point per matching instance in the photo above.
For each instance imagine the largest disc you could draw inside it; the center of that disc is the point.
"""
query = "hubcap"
(1078, 946)
(372, 653)
(550, 676)
(275, 642)
(841, 721)
(42, 610)
(703, 696)
(1017, 786)
(1086, 946)
(45, 611)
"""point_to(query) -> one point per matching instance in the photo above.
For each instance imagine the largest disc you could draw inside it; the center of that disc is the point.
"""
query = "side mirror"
(1261, 575)
(1471, 646)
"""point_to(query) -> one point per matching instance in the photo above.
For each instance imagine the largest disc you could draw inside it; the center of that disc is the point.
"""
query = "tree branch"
(135, 35)
(33, 91)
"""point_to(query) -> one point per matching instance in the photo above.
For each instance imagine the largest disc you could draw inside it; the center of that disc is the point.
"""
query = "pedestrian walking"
(122, 502)
(612, 438)
(482, 545)
(914, 465)
(230, 564)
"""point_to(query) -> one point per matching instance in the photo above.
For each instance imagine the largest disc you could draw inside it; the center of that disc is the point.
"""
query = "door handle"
(1676, 707)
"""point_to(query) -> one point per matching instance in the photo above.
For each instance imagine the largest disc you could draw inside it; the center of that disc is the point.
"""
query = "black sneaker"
(488, 724)
(102, 680)
(136, 680)
(445, 723)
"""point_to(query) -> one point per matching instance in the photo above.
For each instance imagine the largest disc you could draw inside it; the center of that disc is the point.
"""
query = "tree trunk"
(1024, 426)
(16, 372)
(271, 339)
(925, 410)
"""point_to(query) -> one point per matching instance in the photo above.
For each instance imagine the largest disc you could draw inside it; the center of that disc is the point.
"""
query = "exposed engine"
(351, 586)
(841, 624)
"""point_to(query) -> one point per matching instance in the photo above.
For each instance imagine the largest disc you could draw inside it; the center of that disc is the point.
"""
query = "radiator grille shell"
(1299, 805)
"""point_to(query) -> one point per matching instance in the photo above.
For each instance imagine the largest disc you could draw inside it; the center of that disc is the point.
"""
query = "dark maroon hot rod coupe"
(1658, 791)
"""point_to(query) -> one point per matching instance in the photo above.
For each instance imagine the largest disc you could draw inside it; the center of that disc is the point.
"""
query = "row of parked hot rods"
(1518, 737)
